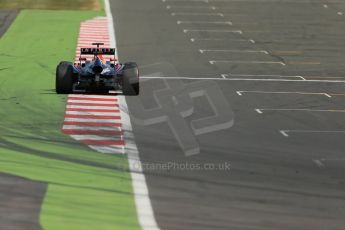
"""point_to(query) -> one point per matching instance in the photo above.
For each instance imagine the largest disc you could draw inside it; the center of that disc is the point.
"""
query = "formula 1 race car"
(97, 74)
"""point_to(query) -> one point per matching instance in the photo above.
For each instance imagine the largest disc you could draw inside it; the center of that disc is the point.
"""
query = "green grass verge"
(86, 190)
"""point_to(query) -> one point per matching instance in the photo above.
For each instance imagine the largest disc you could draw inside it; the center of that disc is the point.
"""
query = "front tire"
(130, 86)
(64, 78)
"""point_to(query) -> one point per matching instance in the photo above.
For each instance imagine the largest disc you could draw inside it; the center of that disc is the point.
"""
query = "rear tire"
(64, 78)
(130, 86)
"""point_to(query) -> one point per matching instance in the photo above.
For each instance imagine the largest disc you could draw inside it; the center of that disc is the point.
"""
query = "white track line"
(224, 78)
(284, 133)
(218, 39)
(241, 92)
(144, 209)
(213, 31)
(263, 76)
(226, 1)
(287, 133)
(260, 110)
(247, 62)
(281, 80)
(319, 163)
(322, 162)
(196, 14)
(233, 51)
(205, 1)
(191, 7)
(205, 22)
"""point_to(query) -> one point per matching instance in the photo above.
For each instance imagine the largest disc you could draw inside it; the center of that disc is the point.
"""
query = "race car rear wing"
(96, 51)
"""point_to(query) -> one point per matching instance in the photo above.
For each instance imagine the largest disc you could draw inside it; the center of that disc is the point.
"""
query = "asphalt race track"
(6, 18)
(272, 72)
(20, 202)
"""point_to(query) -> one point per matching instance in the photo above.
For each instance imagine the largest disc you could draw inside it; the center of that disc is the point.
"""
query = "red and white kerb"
(94, 120)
